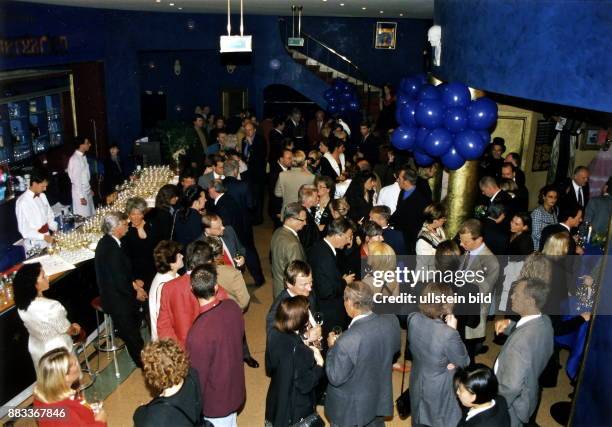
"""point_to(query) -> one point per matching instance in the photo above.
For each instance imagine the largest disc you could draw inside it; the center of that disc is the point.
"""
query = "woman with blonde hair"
(381, 257)
(557, 245)
(58, 370)
(176, 386)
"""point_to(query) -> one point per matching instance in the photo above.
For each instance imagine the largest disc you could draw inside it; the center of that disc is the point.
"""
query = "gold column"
(462, 194)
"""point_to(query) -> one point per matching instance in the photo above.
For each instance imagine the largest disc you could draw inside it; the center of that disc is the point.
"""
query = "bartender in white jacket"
(35, 219)
(78, 171)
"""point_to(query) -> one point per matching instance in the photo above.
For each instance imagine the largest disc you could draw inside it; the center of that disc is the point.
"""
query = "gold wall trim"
(73, 104)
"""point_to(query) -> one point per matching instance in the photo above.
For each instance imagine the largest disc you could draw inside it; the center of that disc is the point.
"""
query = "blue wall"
(555, 51)
(127, 41)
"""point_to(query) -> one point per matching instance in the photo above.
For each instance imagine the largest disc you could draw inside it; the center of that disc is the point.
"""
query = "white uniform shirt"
(78, 171)
(32, 214)
(388, 196)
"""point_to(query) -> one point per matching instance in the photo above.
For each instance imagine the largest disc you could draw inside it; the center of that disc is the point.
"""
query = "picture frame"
(385, 35)
(590, 139)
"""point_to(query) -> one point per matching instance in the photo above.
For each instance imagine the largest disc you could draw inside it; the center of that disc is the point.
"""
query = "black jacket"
(521, 245)
(497, 416)
(255, 158)
(160, 220)
(187, 226)
(229, 211)
(328, 285)
(408, 218)
(309, 234)
(294, 376)
(549, 230)
(181, 409)
(495, 236)
(114, 276)
(271, 316)
(140, 252)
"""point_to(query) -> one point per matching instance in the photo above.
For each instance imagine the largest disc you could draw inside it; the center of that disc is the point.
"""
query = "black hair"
(277, 121)
(525, 217)
(24, 285)
(39, 175)
(164, 195)
(496, 210)
(568, 211)
(197, 116)
(190, 195)
(80, 140)
(203, 280)
(198, 253)
(479, 380)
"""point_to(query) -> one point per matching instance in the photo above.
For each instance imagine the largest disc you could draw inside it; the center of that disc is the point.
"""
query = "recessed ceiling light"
(401, 14)
(180, 8)
(171, 4)
(157, 1)
(382, 11)
(363, 8)
(341, 4)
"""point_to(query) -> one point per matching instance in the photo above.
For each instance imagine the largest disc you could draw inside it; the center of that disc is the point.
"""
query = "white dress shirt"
(32, 214)
(330, 245)
(155, 298)
(521, 322)
(388, 196)
(361, 316)
(578, 191)
(475, 411)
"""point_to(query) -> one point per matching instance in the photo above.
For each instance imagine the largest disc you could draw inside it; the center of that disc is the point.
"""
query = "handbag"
(312, 420)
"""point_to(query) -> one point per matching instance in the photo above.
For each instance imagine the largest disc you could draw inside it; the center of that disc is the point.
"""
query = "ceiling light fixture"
(180, 8)
(363, 8)
(171, 4)
(341, 4)
(401, 14)
(382, 11)
(157, 1)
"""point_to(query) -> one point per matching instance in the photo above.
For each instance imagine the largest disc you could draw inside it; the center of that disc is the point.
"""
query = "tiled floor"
(128, 393)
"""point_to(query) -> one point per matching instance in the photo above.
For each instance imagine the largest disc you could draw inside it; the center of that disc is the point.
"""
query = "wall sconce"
(177, 67)
(230, 68)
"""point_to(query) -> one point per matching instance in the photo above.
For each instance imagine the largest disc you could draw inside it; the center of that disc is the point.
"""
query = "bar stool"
(109, 336)
(78, 347)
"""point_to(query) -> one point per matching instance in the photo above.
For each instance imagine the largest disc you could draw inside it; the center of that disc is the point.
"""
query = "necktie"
(580, 199)
(227, 258)
(405, 195)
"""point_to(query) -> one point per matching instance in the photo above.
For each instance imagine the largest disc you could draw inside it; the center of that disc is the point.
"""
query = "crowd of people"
(344, 204)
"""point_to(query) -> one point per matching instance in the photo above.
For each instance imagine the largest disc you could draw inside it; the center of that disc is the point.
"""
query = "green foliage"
(173, 136)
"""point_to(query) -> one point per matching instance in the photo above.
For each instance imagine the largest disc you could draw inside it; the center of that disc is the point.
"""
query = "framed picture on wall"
(590, 139)
(385, 35)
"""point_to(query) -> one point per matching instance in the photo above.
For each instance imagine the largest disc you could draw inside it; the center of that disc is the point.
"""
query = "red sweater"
(73, 413)
(214, 345)
(178, 308)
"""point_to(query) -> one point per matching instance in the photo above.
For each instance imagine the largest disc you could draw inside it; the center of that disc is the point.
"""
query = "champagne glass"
(95, 403)
(337, 330)
(318, 318)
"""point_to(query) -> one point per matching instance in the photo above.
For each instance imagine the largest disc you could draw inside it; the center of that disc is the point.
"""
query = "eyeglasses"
(299, 219)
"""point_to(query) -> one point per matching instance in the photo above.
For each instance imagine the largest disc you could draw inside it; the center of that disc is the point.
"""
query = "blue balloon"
(455, 95)
(411, 86)
(455, 119)
(452, 159)
(486, 136)
(438, 142)
(429, 113)
(329, 93)
(428, 92)
(423, 159)
(333, 99)
(347, 96)
(422, 78)
(403, 137)
(406, 113)
(421, 137)
(332, 108)
(342, 108)
(482, 114)
(353, 106)
(469, 144)
(402, 98)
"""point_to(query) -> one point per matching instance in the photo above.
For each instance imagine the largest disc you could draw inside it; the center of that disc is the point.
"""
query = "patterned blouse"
(540, 219)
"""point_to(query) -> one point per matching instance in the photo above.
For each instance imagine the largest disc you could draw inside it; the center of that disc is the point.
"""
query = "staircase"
(329, 68)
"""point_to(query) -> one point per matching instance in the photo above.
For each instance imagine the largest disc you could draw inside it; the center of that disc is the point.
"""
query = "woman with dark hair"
(294, 367)
(361, 195)
(545, 214)
(187, 225)
(386, 118)
(437, 351)
(166, 371)
(325, 190)
(168, 261)
(160, 217)
(431, 234)
(333, 163)
(138, 242)
(521, 242)
(53, 394)
(477, 390)
(44, 318)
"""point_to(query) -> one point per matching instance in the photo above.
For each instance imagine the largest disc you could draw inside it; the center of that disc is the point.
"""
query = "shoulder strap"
(173, 222)
(422, 237)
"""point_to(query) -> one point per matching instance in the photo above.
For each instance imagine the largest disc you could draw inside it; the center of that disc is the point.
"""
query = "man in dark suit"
(206, 179)
(515, 160)
(575, 190)
(526, 352)
(408, 216)
(119, 292)
(255, 155)
(329, 283)
(295, 129)
(198, 143)
(238, 189)
(424, 174)
(228, 209)
(358, 364)
(315, 126)
(113, 170)
(233, 251)
(495, 234)
(394, 238)
(275, 203)
(368, 144)
(298, 281)
(569, 217)
(275, 139)
(521, 195)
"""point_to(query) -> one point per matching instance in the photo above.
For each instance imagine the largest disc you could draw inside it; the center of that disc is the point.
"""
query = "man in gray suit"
(289, 182)
(599, 209)
(206, 180)
(285, 245)
(359, 361)
(233, 251)
(478, 258)
(527, 350)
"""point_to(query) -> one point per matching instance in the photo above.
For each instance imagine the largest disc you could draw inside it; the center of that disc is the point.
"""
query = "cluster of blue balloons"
(442, 122)
(341, 97)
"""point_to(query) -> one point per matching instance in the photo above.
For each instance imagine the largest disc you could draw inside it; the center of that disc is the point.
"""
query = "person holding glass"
(176, 386)
(437, 351)
(295, 368)
(44, 318)
(58, 370)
